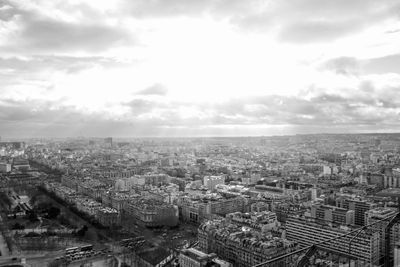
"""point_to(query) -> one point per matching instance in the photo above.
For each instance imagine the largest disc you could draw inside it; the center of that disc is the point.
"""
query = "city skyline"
(189, 69)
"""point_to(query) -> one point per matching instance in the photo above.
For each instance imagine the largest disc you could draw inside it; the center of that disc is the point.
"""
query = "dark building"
(359, 207)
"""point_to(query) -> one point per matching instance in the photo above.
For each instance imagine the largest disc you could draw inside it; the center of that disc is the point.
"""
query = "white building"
(326, 170)
(212, 181)
(195, 258)
(5, 167)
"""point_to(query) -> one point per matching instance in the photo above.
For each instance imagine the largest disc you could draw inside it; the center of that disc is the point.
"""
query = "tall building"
(326, 170)
(306, 232)
(359, 207)
(332, 214)
(212, 181)
(315, 192)
(396, 255)
(377, 214)
(390, 181)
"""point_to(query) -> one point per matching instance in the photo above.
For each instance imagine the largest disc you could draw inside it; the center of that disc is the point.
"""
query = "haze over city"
(198, 68)
(199, 133)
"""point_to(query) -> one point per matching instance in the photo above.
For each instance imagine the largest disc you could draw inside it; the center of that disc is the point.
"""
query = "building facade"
(307, 232)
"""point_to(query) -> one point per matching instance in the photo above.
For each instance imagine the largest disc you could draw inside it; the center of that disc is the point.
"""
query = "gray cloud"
(50, 35)
(343, 65)
(354, 66)
(39, 33)
(7, 12)
(141, 106)
(317, 31)
(300, 21)
(68, 64)
(156, 89)
(390, 63)
(372, 109)
(34, 71)
(43, 44)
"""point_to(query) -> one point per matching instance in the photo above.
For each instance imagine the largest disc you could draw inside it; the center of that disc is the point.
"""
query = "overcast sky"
(198, 67)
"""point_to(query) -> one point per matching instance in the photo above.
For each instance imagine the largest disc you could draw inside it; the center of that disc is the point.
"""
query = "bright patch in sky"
(183, 68)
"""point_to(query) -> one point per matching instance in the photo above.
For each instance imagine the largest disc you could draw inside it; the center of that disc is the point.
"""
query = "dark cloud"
(156, 89)
(51, 35)
(375, 108)
(42, 44)
(361, 108)
(39, 33)
(7, 12)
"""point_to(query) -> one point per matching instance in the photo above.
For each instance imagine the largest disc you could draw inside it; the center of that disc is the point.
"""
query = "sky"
(179, 68)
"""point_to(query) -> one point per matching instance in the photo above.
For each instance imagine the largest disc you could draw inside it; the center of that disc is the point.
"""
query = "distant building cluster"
(250, 199)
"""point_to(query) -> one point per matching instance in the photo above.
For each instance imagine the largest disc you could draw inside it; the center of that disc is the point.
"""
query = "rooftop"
(390, 192)
(381, 212)
(195, 254)
(154, 255)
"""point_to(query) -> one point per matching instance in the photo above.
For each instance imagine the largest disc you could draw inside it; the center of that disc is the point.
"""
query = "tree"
(81, 232)
(91, 235)
(53, 212)
(64, 220)
(18, 226)
(31, 216)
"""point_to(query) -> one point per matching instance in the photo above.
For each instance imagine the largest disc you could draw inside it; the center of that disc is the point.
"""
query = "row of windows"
(364, 247)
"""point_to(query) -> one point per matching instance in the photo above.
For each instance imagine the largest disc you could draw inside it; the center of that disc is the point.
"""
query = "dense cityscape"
(199, 133)
(254, 201)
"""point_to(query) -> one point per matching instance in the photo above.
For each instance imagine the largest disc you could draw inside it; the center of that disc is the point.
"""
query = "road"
(79, 221)
(34, 260)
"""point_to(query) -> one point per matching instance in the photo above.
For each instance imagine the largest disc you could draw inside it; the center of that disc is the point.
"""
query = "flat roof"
(389, 192)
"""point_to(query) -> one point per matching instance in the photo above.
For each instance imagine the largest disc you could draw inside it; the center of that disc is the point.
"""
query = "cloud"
(343, 65)
(310, 21)
(50, 35)
(7, 12)
(156, 89)
(300, 21)
(68, 64)
(31, 31)
(367, 108)
(316, 31)
(355, 66)
(65, 66)
(380, 65)
(140, 106)
(40, 76)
